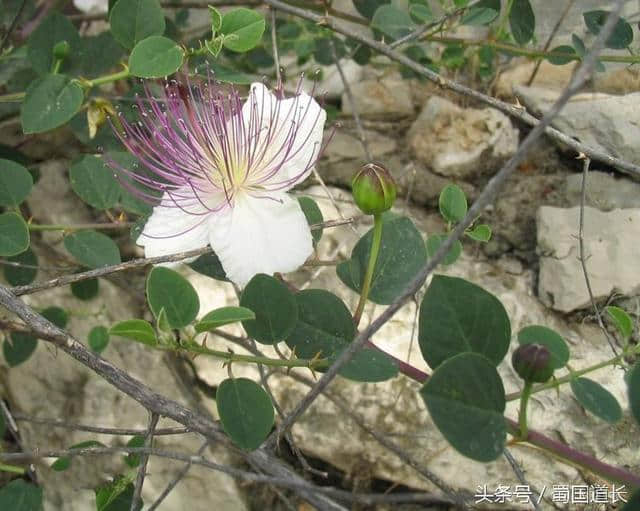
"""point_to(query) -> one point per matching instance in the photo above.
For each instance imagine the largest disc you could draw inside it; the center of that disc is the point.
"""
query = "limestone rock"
(605, 122)
(610, 243)
(458, 142)
(548, 76)
(604, 191)
(388, 96)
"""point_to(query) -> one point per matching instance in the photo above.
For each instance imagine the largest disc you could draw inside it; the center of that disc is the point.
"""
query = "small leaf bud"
(373, 188)
(61, 50)
(532, 362)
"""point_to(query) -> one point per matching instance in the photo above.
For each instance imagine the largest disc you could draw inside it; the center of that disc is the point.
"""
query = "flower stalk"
(522, 415)
(373, 258)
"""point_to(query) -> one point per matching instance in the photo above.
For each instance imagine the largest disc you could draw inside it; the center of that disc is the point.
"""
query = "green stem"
(315, 363)
(114, 77)
(12, 469)
(373, 257)
(78, 227)
(522, 416)
(14, 97)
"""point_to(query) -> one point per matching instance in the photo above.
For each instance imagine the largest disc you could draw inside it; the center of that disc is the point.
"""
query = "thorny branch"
(144, 460)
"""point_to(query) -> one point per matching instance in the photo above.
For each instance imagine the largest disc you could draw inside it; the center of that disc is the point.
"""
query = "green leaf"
(15, 183)
(223, 316)
(3, 427)
(216, 19)
(18, 495)
(97, 54)
(134, 20)
(480, 232)
(325, 328)
(92, 248)
(52, 30)
(420, 13)
(561, 55)
(64, 462)
(133, 459)
(596, 399)
(522, 21)
(452, 203)
(633, 502)
(433, 244)
(22, 275)
(579, 46)
(14, 234)
(466, 400)
(168, 290)
(155, 57)
(94, 182)
(98, 338)
(481, 13)
(18, 348)
(621, 320)
(58, 316)
(50, 101)
(85, 289)
(401, 257)
(246, 412)
(243, 29)
(128, 200)
(116, 495)
(457, 316)
(622, 34)
(313, 215)
(209, 265)
(633, 382)
(536, 334)
(274, 307)
(392, 21)
(369, 7)
(137, 330)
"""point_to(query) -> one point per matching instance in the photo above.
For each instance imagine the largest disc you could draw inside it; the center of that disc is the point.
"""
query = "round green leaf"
(116, 495)
(481, 13)
(368, 365)
(243, 29)
(369, 7)
(621, 319)
(481, 233)
(58, 316)
(420, 13)
(392, 21)
(15, 183)
(22, 275)
(313, 215)
(209, 265)
(63, 463)
(433, 244)
(50, 101)
(94, 182)
(622, 34)
(633, 383)
(561, 55)
(401, 257)
(134, 20)
(168, 290)
(98, 338)
(466, 400)
(246, 412)
(522, 21)
(155, 57)
(133, 459)
(52, 30)
(18, 348)
(18, 495)
(14, 234)
(537, 334)
(596, 399)
(457, 316)
(93, 249)
(223, 316)
(85, 289)
(136, 330)
(452, 203)
(274, 306)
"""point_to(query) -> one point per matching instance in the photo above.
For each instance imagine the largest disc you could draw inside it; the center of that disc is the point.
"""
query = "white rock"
(459, 142)
(604, 191)
(611, 248)
(389, 95)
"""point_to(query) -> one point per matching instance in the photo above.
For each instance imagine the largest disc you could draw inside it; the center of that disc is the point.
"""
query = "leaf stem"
(522, 415)
(77, 227)
(373, 257)
(12, 469)
(114, 77)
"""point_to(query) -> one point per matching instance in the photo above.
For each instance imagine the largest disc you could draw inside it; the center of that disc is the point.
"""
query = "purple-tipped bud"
(532, 362)
(374, 190)
(61, 50)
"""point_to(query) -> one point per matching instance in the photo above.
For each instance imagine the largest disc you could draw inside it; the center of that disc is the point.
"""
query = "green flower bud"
(373, 188)
(61, 50)
(532, 362)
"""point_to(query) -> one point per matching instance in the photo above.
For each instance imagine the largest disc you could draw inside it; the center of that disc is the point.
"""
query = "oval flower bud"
(61, 50)
(532, 362)
(373, 188)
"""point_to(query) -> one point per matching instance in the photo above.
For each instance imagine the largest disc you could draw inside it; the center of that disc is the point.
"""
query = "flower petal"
(172, 229)
(261, 235)
(290, 130)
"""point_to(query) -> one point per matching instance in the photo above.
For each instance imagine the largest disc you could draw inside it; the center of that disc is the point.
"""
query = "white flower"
(91, 5)
(224, 168)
